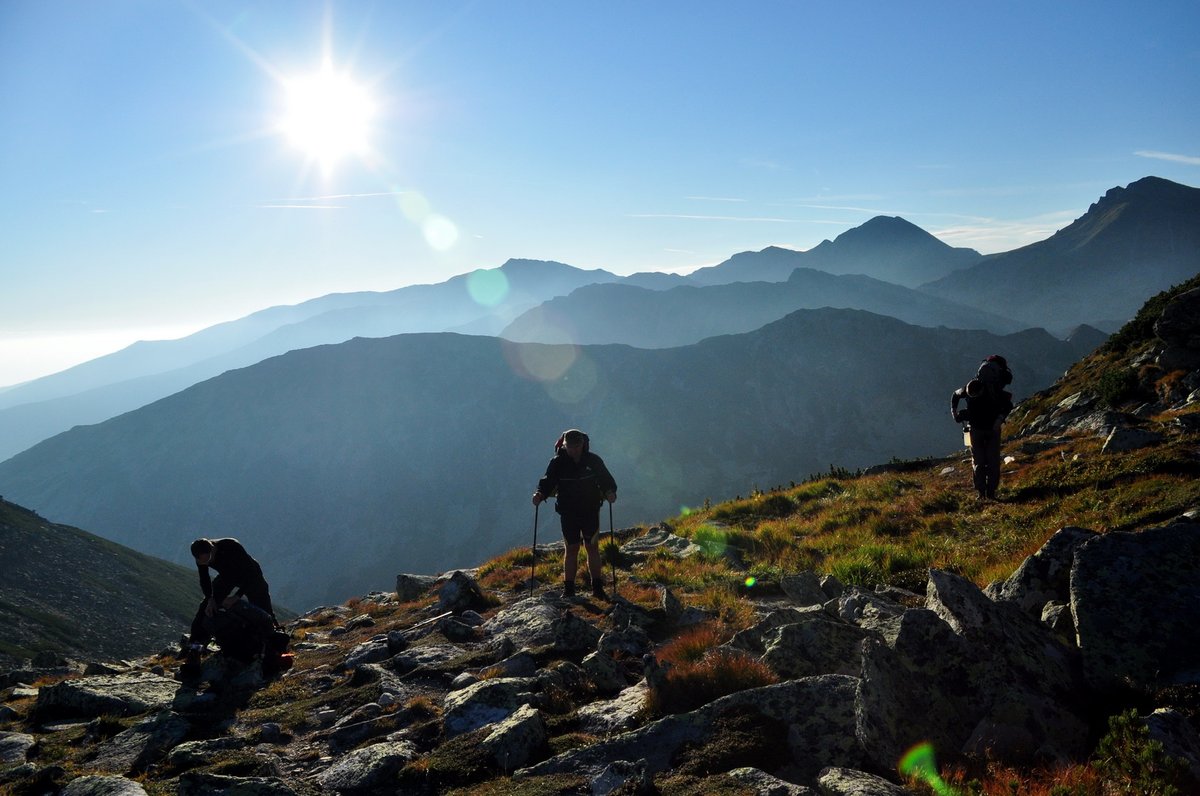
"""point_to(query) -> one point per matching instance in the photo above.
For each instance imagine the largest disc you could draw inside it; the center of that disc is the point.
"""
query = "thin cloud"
(342, 196)
(302, 207)
(756, 219)
(714, 199)
(1190, 160)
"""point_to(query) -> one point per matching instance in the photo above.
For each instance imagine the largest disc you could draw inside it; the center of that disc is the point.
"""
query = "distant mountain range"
(341, 465)
(621, 313)
(886, 248)
(1133, 243)
(72, 593)
(481, 302)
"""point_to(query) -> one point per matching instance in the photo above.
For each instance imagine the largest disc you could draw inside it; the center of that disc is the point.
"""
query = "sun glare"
(328, 116)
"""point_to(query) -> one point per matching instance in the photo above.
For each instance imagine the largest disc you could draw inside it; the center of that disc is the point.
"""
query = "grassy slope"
(68, 591)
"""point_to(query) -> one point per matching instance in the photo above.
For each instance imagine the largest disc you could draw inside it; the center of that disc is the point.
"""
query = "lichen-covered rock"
(631, 640)
(1179, 739)
(199, 784)
(1136, 602)
(603, 671)
(412, 587)
(1124, 438)
(1046, 575)
(850, 782)
(485, 702)
(460, 592)
(803, 588)
(815, 645)
(623, 712)
(14, 746)
(103, 786)
(370, 767)
(515, 740)
(196, 753)
(116, 695)
(754, 639)
(763, 784)
(146, 742)
(659, 538)
(819, 712)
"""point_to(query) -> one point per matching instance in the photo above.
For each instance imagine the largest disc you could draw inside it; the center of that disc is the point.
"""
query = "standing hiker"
(238, 575)
(987, 406)
(580, 483)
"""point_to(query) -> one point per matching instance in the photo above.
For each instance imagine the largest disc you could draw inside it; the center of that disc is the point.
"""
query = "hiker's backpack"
(242, 631)
(994, 373)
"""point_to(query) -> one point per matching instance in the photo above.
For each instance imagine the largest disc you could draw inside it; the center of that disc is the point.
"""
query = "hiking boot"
(568, 589)
(599, 593)
(192, 658)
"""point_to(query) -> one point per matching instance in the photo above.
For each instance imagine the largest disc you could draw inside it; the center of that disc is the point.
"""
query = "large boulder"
(14, 746)
(367, 768)
(103, 786)
(486, 702)
(1136, 603)
(116, 695)
(815, 645)
(147, 742)
(515, 740)
(1046, 575)
(817, 710)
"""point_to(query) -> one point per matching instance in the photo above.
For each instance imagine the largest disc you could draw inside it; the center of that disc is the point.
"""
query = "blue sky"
(149, 190)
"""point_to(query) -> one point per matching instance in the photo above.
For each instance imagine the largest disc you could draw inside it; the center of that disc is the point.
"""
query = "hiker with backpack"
(987, 404)
(580, 483)
(238, 575)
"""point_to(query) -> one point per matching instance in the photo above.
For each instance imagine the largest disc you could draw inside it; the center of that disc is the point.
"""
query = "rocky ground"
(444, 685)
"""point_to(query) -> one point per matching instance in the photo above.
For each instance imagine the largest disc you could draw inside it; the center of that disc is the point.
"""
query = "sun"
(328, 116)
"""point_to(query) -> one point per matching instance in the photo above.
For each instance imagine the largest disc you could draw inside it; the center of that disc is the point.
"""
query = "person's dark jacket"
(235, 568)
(579, 487)
(984, 411)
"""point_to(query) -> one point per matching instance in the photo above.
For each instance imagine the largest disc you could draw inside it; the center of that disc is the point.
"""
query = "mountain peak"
(889, 230)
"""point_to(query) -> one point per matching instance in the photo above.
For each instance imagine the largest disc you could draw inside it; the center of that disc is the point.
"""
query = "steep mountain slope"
(621, 313)
(482, 301)
(886, 248)
(1099, 270)
(69, 592)
(338, 465)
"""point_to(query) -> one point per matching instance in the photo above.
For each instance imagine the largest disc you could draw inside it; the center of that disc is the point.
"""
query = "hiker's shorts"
(577, 527)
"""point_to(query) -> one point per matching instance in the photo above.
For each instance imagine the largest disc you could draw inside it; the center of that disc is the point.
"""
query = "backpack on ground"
(242, 631)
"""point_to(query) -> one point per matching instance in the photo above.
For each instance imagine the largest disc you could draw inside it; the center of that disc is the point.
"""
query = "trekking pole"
(612, 543)
(533, 550)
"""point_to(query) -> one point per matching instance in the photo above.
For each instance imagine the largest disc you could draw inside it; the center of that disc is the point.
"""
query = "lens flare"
(918, 762)
(440, 232)
(487, 288)
(576, 384)
(750, 581)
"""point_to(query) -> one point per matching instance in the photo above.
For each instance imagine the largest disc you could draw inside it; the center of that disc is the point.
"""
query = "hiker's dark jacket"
(579, 488)
(236, 570)
(983, 411)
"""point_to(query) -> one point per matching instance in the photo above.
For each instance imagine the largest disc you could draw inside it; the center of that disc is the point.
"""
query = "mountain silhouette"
(1131, 244)
(886, 248)
(340, 465)
(621, 313)
(482, 302)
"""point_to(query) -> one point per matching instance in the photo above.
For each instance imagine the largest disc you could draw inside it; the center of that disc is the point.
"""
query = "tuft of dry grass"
(689, 685)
